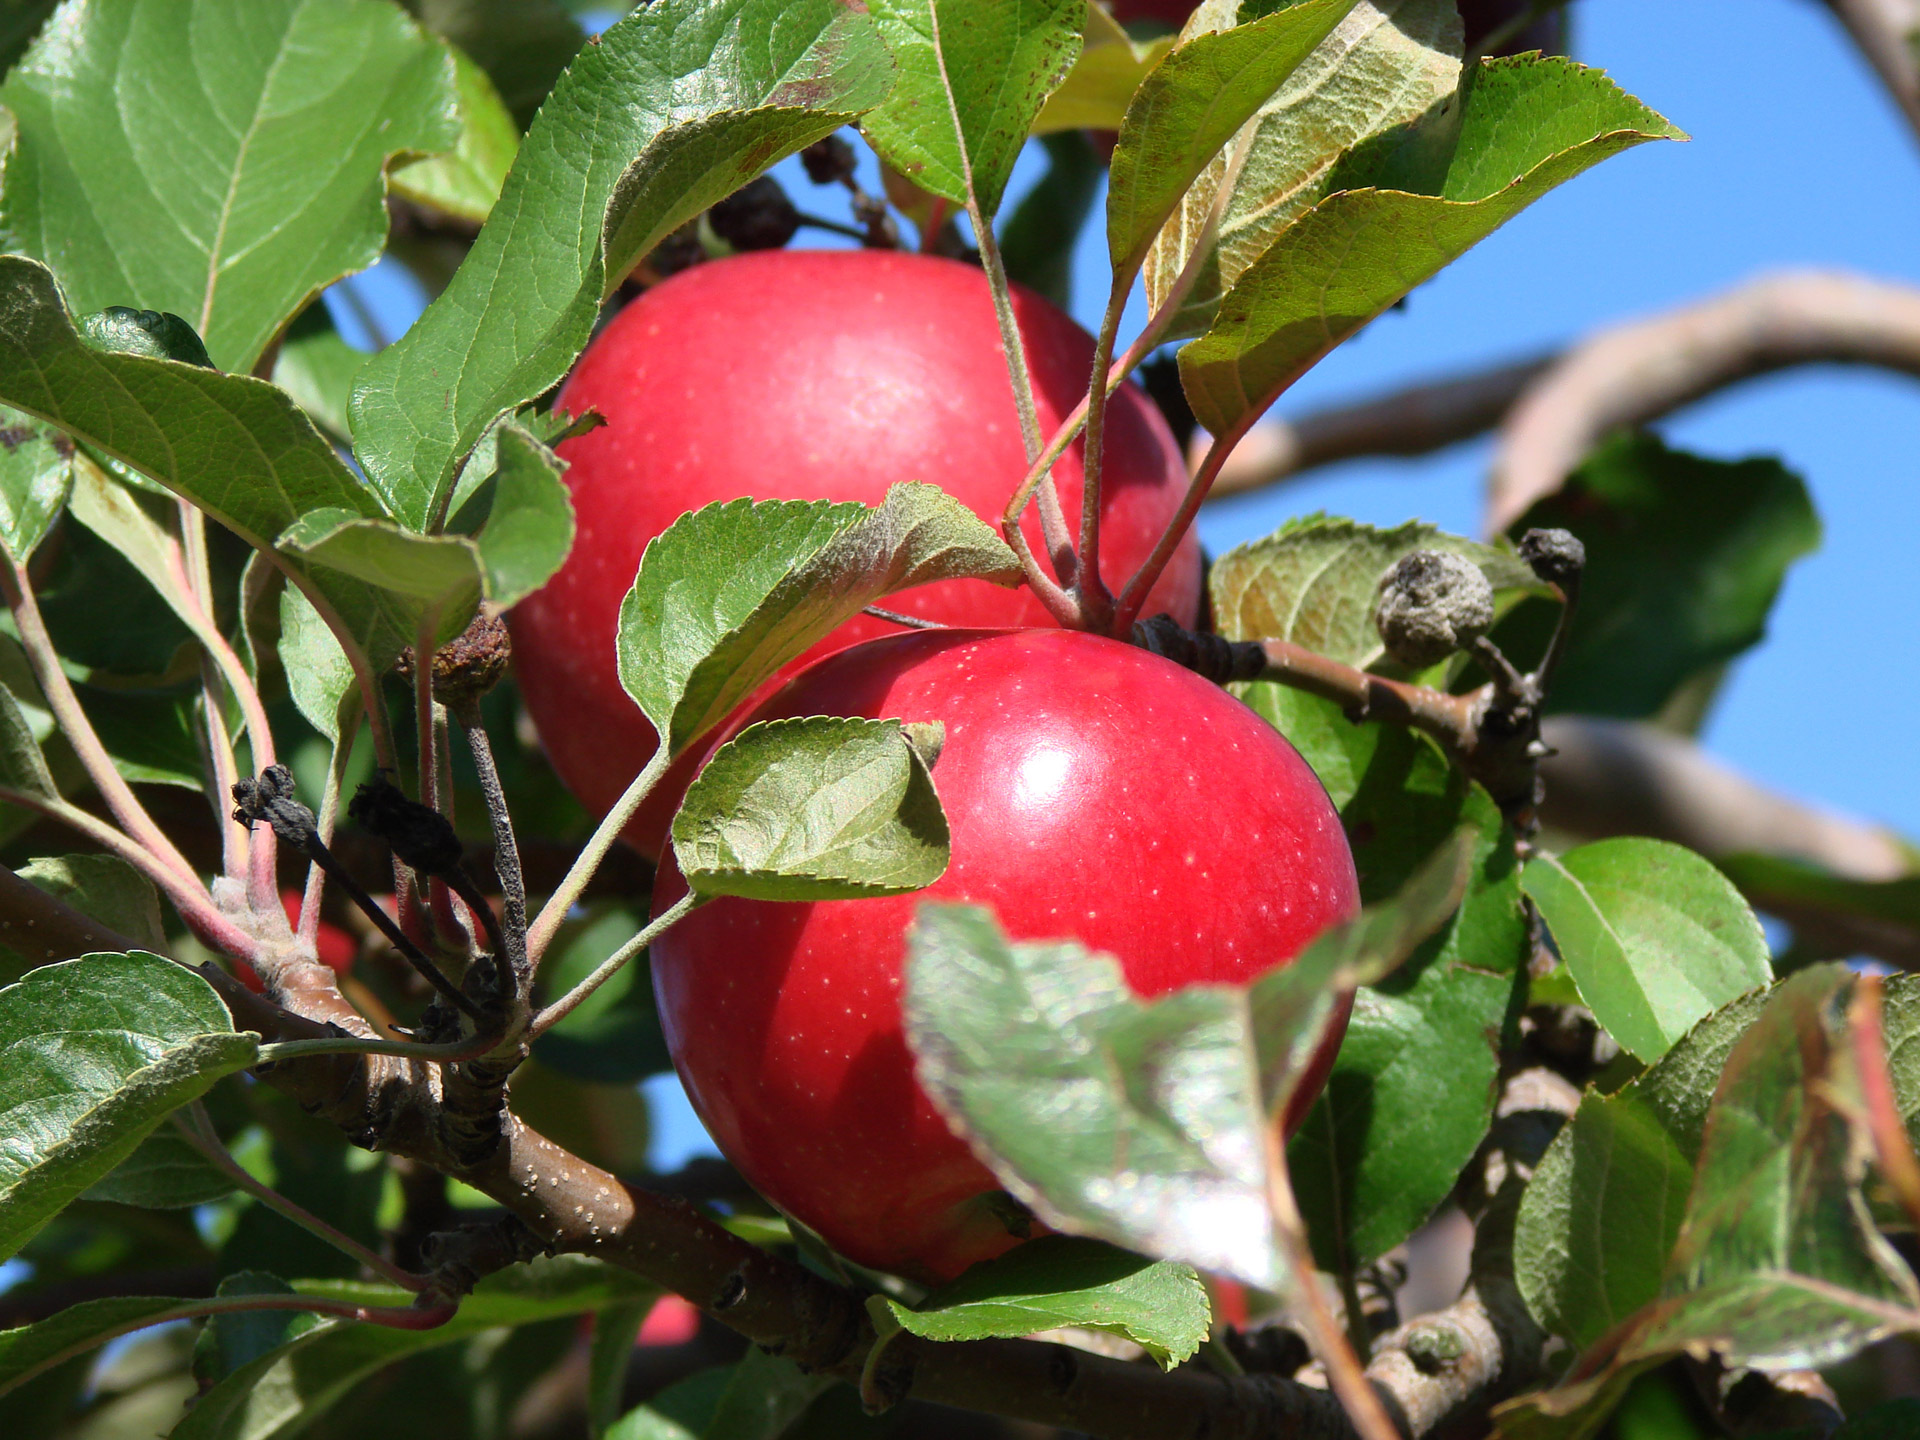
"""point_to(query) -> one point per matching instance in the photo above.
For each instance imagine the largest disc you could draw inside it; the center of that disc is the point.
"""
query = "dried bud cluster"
(1556, 556)
(1432, 604)
(468, 666)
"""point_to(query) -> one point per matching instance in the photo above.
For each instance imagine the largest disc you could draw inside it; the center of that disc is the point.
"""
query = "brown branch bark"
(1423, 418)
(1636, 372)
(1885, 32)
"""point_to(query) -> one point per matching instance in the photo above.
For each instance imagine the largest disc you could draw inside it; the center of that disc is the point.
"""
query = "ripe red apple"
(1094, 791)
(811, 374)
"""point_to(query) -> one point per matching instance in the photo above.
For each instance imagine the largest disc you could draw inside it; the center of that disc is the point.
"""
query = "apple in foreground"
(1093, 791)
(805, 375)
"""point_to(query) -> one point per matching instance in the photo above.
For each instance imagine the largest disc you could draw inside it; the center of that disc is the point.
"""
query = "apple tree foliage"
(184, 178)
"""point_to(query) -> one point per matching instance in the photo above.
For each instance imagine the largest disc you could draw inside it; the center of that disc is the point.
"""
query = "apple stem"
(559, 1010)
(541, 932)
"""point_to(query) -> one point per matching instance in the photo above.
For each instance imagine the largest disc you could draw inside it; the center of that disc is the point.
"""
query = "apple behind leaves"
(811, 375)
(1093, 791)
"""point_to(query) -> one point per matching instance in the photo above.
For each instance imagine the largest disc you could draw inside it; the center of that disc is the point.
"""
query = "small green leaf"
(1387, 63)
(194, 158)
(730, 593)
(94, 1053)
(530, 527)
(1063, 1280)
(1654, 936)
(157, 334)
(165, 1173)
(466, 180)
(1603, 1209)
(679, 104)
(1528, 124)
(1192, 103)
(23, 766)
(1096, 92)
(1315, 580)
(756, 1398)
(1685, 557)
(319, 676)
(36, 472)
(407, 577)
(973, 75)
(523, 45)
(281, 1393)
(815, 808)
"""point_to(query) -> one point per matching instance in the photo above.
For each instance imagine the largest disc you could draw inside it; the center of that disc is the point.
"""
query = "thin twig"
(912, 622)
(559, 1010)
(196, 1127)
(512, 935)
(284, 1052)
(407, 1318)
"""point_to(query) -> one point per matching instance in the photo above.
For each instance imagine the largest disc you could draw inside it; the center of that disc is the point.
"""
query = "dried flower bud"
(1556, 556)
(757, 216)
(1432, 604)
(469, 665)
(829, 160)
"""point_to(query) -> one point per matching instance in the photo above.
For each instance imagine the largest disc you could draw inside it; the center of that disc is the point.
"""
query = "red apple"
(1093, 791)
(811, 374)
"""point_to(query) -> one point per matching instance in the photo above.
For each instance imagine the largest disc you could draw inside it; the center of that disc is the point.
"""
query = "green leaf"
(279, 1394)
(227, 1342)
(1063, 1280)
(1685, 557)
(1778, 1264)
(1654, 936)
(195, 157)
(730, 593)
(94, 1053)
(678, 105)
(1603, 1209)
(237, 447)
(405, 577)
(1095, 94)
(22, 764)
(29, 1349)
(1315, 580)
(319, 676)
(530, 527)
(973, 75)
(465, 182)
(1386, 64)
(813, 808)
(1192, 103)
(317, 368)
(165, 1173)
(36, 472)
(756, 1398)
(1527, 124)
(615, 1330)
(523, 45)
(1139, 1122)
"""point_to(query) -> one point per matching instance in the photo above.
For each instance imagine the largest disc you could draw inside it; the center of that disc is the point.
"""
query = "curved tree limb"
(1639, 371)
(1886, 33)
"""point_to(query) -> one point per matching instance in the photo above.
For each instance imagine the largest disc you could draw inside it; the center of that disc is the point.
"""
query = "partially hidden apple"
(811, 374)
(1095, 792)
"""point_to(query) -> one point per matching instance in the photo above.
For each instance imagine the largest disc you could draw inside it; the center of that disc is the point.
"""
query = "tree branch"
(1637, 372)
(1885, 32)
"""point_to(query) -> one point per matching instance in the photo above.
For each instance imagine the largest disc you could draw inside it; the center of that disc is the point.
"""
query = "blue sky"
(1797, 159)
